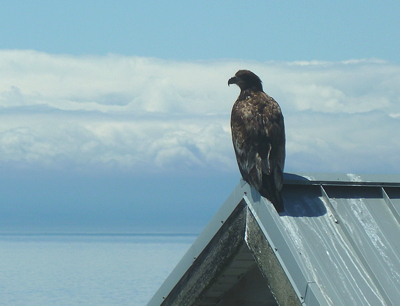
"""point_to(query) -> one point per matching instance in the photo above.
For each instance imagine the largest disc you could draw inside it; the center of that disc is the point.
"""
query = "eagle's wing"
(272, 140)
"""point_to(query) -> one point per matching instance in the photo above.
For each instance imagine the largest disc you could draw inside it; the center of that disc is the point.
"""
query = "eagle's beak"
(232, 80)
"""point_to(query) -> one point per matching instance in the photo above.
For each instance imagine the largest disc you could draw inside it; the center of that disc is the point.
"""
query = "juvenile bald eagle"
(258, 135)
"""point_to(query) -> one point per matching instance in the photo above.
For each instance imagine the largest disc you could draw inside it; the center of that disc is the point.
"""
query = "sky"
(114, 115)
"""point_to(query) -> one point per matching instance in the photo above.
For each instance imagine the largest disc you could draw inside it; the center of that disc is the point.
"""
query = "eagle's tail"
(270, 191)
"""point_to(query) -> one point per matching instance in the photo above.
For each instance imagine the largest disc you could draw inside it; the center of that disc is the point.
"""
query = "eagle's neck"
(251, 87)
(250, 91)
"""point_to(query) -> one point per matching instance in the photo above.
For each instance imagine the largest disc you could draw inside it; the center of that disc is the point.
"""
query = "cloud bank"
(148, 115)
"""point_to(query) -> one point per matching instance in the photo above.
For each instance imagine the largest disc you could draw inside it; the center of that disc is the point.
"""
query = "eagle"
(258, 136)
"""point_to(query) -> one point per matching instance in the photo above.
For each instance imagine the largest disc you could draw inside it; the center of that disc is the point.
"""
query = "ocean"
(86, 269)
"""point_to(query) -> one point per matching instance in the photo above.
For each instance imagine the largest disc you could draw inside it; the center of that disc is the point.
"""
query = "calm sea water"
(86, 269)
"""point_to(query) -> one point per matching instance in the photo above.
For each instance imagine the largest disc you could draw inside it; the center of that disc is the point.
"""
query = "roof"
(337, 243)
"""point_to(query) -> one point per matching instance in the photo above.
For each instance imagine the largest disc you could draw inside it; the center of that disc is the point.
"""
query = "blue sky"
(187, 30)
(115, 115)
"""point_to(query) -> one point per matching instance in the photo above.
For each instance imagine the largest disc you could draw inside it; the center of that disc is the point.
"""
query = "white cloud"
(144, 114)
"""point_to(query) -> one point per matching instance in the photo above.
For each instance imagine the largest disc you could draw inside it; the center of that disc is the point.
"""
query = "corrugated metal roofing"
(338, 241)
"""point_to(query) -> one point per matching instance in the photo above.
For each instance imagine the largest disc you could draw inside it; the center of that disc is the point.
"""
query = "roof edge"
(341, 179)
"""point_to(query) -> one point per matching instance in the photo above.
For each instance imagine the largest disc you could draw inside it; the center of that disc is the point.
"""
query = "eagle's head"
(246, 79)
